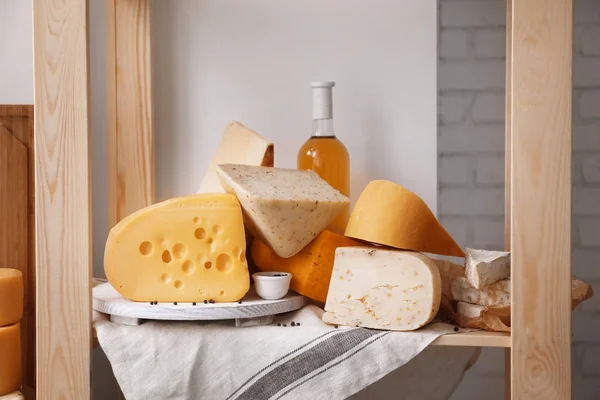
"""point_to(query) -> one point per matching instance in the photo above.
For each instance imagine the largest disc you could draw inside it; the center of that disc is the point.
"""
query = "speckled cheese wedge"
(284, 208)
(484, 267)
(494, 294)
(185, 249)
(382, 289)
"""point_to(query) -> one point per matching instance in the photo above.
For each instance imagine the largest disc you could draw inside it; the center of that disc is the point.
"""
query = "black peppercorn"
(293, 323)
(240, 302)
(194, 303)
(205, 302)
(278, 324)
(297, 323)
(335, 326)
(284, 325)
(211, 301)
(456, 329)
(174, 303)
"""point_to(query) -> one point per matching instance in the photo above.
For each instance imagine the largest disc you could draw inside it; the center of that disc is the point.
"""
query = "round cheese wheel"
(11, 296)
(10, 359)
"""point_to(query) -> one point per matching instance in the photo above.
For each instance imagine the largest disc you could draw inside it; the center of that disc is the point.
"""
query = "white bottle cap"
(322, 100)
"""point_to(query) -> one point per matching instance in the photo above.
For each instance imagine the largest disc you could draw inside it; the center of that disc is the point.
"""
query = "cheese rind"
(185, 249)
(382, 289)
(494, 294)
(284, 208)
(11, 296)
(10, 359)
(483, 267)
(311, 268)
(238, 145)
(388, 214)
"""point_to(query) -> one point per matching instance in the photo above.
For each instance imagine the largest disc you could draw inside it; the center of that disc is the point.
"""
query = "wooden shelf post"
(539, 120)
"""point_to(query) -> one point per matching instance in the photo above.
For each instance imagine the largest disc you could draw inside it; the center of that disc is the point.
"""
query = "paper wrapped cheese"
(185, 249)
(382, 289)
(484, 267)
(238, 145)
(495, 294)
(284, 208)
(388, 214)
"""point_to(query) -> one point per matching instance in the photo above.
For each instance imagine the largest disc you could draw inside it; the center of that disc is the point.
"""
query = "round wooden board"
(107, 300)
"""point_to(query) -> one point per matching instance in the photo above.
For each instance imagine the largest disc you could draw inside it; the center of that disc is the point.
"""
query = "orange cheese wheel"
(11, 296)
(10, 359)
(311, 268)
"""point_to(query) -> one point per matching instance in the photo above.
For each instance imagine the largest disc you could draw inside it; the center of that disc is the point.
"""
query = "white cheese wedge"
(494, 294)
(484, 267)
(284, 208)
(382, 289)
(468, 310)
(238, 145)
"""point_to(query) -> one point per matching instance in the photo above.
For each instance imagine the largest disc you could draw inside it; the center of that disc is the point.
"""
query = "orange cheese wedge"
(311, 268)
(388, 214)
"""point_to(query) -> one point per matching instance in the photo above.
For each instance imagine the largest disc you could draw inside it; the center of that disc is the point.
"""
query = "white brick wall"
(471, 174)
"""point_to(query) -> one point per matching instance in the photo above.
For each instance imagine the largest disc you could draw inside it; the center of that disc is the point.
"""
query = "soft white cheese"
(494, 294)
(382, 289)
(468, 310)
(285, 208)
(484, 267)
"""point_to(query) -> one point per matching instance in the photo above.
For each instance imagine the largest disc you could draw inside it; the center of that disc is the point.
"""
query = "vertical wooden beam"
(130, 121)
(62, 203)
(541, 65)
(507, 158)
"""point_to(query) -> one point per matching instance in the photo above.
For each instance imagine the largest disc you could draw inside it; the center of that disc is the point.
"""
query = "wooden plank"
(14, 233)
(474, 339)
(62, 204)
(130, 124)
(540, 84)
(16, 110)
(507, 158)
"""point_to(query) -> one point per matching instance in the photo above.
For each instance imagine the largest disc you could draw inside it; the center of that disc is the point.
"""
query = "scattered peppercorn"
(205, 302)
(284, 325)
(297, 323)
(456, 329)
(174, 303)
(240, 302)
(335, 326)
(278, 324)
(194, 303)
(293, 323)
(211, 301)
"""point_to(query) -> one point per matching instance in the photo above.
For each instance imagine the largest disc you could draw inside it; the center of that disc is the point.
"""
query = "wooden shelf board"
(476, 339)
(13, 396)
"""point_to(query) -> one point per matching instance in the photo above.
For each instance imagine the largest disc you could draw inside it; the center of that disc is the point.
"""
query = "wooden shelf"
(477, 339)
(13, 396)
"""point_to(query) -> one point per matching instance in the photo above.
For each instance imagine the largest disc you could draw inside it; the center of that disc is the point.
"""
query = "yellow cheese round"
(388, 214)
(11, 296)
(10, 359)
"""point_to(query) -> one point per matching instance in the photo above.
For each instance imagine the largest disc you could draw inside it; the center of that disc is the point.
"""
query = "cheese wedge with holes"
(382, 289)
(484, 267)
(311, 268)
(11, 296)
(284, 208)
(10, 358)
(238, 145)
(186, 249)
(388, 214)
(494, 294)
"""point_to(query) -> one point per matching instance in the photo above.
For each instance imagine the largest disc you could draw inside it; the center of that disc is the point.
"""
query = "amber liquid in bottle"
(324, 153)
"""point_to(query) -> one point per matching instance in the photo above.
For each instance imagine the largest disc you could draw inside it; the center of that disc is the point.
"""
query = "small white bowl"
(272, 285)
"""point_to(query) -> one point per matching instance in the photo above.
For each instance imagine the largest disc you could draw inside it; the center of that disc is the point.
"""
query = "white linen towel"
(312, 360)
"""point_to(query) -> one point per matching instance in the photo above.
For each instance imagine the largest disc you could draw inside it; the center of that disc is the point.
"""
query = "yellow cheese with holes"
(186, 249)
(238, 145)
(388, 214)
(10, 358)
(11, 296)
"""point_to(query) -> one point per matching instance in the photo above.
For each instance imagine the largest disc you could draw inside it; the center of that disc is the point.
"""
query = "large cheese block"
(10, 358)
(311, 268)
(494, 294)
(238, 145)
(284, 208)
(11, 296)
(484, 266)
(388, 214)
(382, 289)
(185, 249)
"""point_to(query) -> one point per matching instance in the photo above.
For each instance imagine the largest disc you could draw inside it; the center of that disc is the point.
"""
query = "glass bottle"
(324, 153)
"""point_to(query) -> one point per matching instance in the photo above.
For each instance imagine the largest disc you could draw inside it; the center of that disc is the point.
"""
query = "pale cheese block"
(11, 296)
(10, 358)
(494, 294)
(284, 208)
(388, 214)
(483, 267)
(382, 289)
(468, 310)
(186, 249)
(238, 145)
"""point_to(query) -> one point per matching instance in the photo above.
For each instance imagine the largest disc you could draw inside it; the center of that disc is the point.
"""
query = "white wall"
(16, 52)
(215, 61)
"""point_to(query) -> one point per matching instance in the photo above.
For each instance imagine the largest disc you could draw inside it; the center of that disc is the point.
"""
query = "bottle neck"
(323, 128)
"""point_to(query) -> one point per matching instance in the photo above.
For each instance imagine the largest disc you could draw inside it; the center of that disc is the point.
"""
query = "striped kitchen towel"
(310, 360)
